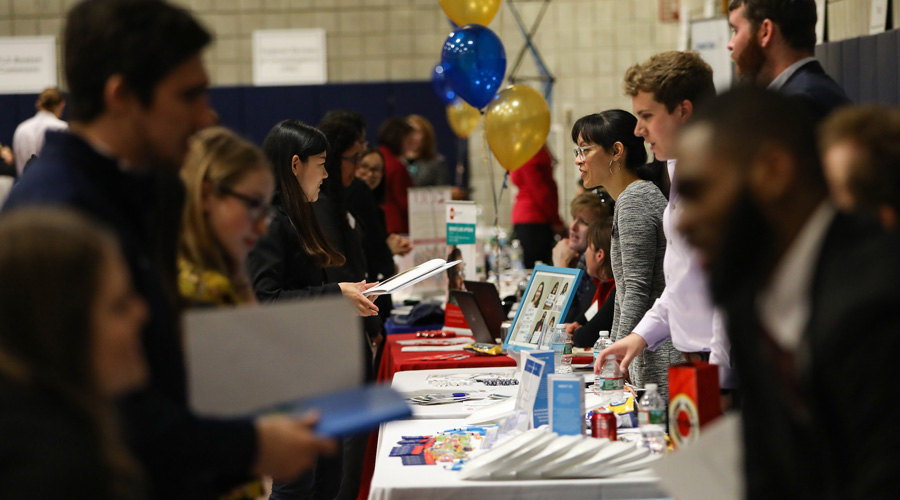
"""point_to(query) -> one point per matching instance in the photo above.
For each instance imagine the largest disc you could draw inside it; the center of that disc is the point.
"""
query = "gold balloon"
(516, 123)
(470, 11)
(462, 117)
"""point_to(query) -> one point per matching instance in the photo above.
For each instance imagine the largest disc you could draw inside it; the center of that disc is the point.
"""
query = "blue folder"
(354, 411)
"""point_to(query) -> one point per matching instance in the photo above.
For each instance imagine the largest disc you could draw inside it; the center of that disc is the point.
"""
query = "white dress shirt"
(784, 305)
(684, 311)
(28, 138)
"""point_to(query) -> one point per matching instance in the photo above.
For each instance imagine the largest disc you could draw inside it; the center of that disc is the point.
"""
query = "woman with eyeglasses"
(608, 154)
(289, 261)
(229, 186)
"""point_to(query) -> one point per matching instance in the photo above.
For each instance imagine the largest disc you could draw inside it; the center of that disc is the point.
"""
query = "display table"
(414, 382)
(394, 481)
(393, 360)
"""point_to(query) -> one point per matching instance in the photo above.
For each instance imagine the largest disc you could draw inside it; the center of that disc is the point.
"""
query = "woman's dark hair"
(342, 129)
(51, 261)
(287, 139)
(616, 125)
(392, 132)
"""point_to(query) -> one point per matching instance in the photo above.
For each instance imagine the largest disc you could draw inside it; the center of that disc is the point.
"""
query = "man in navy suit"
(811, 295)
(773, 43)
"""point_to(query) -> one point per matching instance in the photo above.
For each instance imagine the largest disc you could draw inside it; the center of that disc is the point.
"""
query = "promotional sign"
(428, 234)
(541, 409)
(710, 38)
(693, 400)
(289, 57)
(27, 64)
(529, 387)
(566, 404)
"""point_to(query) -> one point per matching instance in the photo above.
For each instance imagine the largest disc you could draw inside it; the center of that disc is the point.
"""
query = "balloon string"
(490, 162)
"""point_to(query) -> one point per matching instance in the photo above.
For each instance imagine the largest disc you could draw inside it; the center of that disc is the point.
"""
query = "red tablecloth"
(393, 361)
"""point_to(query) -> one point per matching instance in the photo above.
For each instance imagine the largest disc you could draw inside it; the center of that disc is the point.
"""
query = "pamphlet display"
(541, 411)
(566, 404)
(530, 385)
(544, 305)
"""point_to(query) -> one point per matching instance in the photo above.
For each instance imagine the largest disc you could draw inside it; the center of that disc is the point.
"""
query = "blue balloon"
(474, 62)
(441, 86)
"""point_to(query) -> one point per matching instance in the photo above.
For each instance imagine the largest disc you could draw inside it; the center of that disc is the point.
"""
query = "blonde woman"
(229, 186)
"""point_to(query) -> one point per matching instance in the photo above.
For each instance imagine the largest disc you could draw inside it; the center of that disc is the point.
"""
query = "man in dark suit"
(138, 91)
(773, 43)
(812, 298)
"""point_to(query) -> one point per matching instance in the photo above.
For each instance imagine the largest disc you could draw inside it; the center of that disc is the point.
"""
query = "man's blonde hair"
(672, 77)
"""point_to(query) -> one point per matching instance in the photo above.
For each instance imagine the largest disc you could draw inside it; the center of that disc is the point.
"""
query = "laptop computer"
(489, 299)
(483, 331)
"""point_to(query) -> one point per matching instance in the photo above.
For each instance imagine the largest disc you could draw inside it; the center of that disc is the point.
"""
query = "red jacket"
(396, 202)
(537, 201)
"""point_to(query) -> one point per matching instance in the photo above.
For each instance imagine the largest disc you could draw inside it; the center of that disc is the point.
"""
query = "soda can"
(603, 424)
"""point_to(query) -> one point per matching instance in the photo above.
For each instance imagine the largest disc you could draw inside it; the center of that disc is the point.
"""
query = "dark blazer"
(827, 430)
(48, 450)
(279, 267)
(818, 91)
(184, 455)
(345, 239)
(587, 335)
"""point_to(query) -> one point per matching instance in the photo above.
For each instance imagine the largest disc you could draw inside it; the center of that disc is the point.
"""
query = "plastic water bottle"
(611, 380)
(516, 256)
(603, 341)
(652, 420)
(565, 361)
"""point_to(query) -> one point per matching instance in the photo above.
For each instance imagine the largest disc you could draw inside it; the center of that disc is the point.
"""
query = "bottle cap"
(610, 357)
(650, 387)
(604, 333)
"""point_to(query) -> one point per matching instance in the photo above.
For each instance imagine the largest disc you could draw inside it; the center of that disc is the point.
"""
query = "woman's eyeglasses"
(257, 209)
(579, 151)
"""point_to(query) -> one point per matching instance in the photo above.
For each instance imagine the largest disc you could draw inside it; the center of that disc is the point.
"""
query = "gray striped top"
(637, 248)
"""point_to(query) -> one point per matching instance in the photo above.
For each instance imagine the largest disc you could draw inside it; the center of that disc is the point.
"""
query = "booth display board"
(27, 64)
(710, 38)
(289, 57)
(544, 305)
(428, 234)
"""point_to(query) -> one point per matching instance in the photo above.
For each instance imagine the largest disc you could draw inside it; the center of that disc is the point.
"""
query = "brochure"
(411, 276)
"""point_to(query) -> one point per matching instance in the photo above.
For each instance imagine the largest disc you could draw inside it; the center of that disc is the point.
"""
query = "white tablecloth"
(414, 382)
(394, 481)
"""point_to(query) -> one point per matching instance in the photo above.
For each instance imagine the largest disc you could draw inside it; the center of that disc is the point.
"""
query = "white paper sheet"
(710, 468)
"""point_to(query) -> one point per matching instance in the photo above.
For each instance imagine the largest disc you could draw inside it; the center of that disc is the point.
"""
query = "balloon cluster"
(473, 63)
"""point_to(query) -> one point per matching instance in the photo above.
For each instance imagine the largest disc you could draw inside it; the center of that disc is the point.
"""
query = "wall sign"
(289, 57)
(27, 64)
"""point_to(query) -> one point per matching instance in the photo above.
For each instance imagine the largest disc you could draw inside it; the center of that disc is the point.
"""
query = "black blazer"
(185, 456)
(587, 335)
(835, 435)
(818, 91)
(48, 450)
(279, 267)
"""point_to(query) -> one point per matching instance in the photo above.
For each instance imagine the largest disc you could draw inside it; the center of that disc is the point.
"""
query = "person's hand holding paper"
(355, 293)
(288, 446)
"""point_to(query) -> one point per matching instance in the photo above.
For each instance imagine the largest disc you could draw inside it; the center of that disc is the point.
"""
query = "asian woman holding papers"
(288, 261)
(69, 343)
(608, 154)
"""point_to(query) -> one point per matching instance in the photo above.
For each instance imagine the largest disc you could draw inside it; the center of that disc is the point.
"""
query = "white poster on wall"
(27, 64)
(710, 38)
(289, 57)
